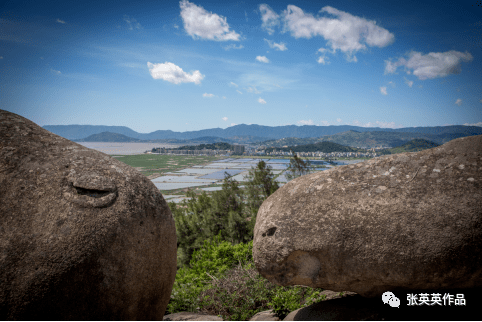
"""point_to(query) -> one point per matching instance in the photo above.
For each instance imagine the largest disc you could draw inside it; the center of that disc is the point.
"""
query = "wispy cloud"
(269, 17)
(132, 23)
(409, 83)
(346, 32)
(323, 59)
(233, 46)
(391, 83)
(474, 124)
(277, 46)
(233, 84)
(200, 23)
(239, 91)
(262, 59)
(262, 101)
(233, 124)
(173, 73)
(458, 102)
(377, 124)
(60, 21)
(383, 90)
(432, 65)
(176, 26)
(55, 72)
(224, 97)
(309, 122)
(252, 89)
(208, 95)
(338, 120)
(225, 118)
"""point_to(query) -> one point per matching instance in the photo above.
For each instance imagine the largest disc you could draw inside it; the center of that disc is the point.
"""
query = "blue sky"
(183, 66)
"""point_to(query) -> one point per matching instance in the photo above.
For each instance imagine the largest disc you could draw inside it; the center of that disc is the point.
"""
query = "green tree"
(297, 167)
(228, 211)
(259, 186)
(191, 218)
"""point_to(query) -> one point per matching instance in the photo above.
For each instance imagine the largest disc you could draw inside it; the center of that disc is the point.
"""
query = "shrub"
(215, 285)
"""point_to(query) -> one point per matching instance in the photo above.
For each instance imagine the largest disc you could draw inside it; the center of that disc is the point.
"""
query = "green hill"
(326, 147)
(213, 146)
(108, 137)
(412, 146)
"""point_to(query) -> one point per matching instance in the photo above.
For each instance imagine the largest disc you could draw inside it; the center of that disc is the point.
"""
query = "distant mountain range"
(277, 136)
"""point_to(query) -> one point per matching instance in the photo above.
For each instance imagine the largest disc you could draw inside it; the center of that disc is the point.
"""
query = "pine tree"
(259, 187)
(297, 167)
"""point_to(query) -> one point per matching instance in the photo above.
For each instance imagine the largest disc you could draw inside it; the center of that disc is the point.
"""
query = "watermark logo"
(390, 299)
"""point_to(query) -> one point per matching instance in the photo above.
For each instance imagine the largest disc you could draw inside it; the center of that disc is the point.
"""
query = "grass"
(156, 163)
(218, 283)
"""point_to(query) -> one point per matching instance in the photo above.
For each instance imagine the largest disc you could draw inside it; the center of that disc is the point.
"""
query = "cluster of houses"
(260, 150)
(329, 155)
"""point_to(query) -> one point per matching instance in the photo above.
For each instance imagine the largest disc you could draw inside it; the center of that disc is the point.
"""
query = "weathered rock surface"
(265, 316)
(83, 236)
(394, 223)
(191, 316)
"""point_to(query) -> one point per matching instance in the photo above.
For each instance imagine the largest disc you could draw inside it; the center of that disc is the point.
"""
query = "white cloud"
(253, 90)
(269, 17)
(278, 46)
(224, 97)
(309, 122)
(393, 84)
(200, 23)
(409, 83)
(176, 26)
(458, 102)
(345, 33)
(55, 72)
(233, 124)
(338, 120)
(262, 101)
(173, 74)
(383, 90)
(474, 124)
(239, 91)
(225, 118)
(432, 65)
(60, 21)
(234, 84)
(132, 23)
(208, 95)
(322, 60)
(233, 46)
(262, 59)
(377, 124)
(325, 123)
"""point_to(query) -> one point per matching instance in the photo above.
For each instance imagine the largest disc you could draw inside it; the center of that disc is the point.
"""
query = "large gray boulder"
(82, 236)
(399, 222)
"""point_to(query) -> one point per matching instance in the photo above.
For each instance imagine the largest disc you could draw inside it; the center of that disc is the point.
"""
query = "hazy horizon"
(193, 65)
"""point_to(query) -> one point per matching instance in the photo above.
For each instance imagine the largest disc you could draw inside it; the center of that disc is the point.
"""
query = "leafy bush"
(288, 299)
(223, 281)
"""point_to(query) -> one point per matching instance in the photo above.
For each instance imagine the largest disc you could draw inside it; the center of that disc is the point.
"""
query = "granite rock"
(83, 236)
(394, 223)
